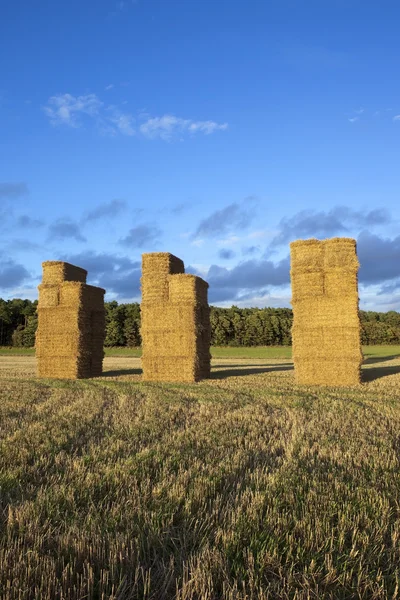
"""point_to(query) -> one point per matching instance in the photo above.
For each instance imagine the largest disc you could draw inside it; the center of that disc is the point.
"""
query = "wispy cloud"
(27, 222)
(362, 113)
(251, 277)
(66, 109)
(12, 274)
(123, 4)
(379, 257)
(71, 111)
(250, 250)
(226, 254)
(169, 127)
(123, 122)
(311, 223)
(141, 236)
(356, 114)
(65, 228)
(233, 216)
(13, 190)
(105, 210)
(116, 274)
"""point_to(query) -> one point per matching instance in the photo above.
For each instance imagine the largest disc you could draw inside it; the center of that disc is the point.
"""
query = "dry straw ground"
(175, 321)
(242, 486)
(71, 329)
(326, 325)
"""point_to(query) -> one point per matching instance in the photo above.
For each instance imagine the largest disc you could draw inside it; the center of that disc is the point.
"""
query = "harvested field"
(242, 486)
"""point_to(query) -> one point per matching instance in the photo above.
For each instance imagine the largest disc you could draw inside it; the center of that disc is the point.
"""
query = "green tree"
(132, 325)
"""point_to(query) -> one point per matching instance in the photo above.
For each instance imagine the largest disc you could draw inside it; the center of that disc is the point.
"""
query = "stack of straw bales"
(175, 324)
(326, 326)
(71, 328)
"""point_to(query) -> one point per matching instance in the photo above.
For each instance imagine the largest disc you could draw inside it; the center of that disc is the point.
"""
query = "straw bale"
(57, 271)
(71, 327)
(175, 323)
(326, 325)
(156, 267)
(314, 372)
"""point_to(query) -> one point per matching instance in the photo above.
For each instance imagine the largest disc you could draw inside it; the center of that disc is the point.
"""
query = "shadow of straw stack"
(326, 325)
(71, 324)
(175, 321)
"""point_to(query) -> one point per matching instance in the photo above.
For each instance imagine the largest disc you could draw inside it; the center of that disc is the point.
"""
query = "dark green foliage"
(15, 314)
(251, 326)
(229, 326)
(24, 336)
(122, 324)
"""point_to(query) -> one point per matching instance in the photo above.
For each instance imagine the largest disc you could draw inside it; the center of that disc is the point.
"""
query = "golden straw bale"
(175, 323)
(156, 267)
(185, 287)
(56, 271)
(71, 325)
(341, 372)
(326, 325)
(307, 255)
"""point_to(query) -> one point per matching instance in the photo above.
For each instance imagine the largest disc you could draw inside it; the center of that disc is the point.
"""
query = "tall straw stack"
(71, 327)
(326, 325)
(175, 324)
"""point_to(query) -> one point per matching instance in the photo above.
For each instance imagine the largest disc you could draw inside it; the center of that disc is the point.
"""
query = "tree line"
(229, 326)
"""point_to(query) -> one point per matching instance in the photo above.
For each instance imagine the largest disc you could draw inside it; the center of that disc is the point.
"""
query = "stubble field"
(244, 486)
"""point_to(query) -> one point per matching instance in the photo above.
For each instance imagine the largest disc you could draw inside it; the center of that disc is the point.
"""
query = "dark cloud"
(192, 270)
(178, 209)
(379, 258)
(226, 254)
(29, 223)
(12, 191)
(250, 250)
(249, 277)
(22, 245)
(63, 229)
(12, 274)
(116, 274)
(232, 216)
(309, 223)
(390, 288)
(141, 236)
(106, 210)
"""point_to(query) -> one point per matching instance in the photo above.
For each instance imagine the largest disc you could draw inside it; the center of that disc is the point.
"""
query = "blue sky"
(219, 131)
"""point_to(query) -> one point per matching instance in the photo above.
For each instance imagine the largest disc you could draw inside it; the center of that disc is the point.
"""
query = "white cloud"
(231, 239)
(124, 123)
(198, 243)
(168, 127)
(69, 110)
(64, 109)
(109, 87)
(207, 127)
(253, 235)
(396, 118)
(353, 119)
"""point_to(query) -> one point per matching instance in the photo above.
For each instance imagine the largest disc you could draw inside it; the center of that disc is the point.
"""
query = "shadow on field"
(118, 372)
(378, 359)
(378, 372)
(220, 372)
